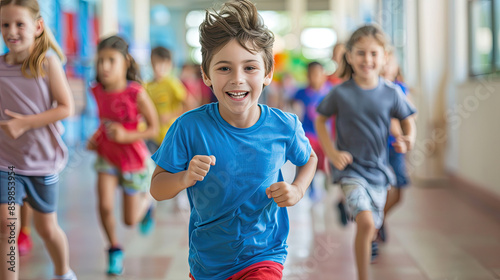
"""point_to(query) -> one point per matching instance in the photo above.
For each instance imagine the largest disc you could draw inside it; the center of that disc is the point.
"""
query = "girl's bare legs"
(106, 187)
(393, 198)
(9, 258)
(55, 240)
(26, 217)
(362, 245)
(135, 207)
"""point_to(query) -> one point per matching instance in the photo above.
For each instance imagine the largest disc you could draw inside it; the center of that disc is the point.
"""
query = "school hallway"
(435, 235)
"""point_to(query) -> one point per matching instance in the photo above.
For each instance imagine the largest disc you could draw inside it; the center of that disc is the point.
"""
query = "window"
(484, 27)
(393, 20)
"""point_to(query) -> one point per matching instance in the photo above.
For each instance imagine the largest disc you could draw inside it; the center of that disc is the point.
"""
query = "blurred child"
(228, 155)
(122, 154)
(167, 93)
(34, 96)
(392, 72)
(198, 93)
(364, 106)
(306, 100)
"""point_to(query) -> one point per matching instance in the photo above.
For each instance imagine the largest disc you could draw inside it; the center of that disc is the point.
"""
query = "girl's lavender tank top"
(38, 152)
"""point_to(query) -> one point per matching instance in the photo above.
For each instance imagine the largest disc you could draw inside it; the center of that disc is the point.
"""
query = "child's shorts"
(41, 192)
(398, 164)
(268, 270)
(131, 182)
(361, 196)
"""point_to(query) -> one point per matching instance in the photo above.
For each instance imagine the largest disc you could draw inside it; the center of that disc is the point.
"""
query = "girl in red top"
(123, 159)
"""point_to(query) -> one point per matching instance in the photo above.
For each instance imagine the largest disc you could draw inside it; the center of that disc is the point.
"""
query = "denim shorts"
(41, 192)
(398, 164)
(361, 196)
(131, 182)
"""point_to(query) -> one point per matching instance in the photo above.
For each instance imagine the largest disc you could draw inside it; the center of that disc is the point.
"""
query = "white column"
(141, 21)
(140, 44)
(297, 10)
(339, 13)
(430, 55)
(109, 18)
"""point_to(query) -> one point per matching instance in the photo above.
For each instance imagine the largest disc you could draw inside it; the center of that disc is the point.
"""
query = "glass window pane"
(481, 37)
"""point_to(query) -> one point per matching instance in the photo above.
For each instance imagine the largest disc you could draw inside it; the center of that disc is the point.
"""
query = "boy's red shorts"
(266, 270)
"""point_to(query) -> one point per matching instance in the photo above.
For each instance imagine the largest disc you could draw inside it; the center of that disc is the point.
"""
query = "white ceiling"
(263, 5)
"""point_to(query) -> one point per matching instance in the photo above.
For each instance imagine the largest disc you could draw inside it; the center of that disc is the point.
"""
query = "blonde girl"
(34, 96)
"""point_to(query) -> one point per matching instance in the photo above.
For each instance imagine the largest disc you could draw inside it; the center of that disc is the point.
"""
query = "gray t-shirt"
(40, 151)
(363, 120)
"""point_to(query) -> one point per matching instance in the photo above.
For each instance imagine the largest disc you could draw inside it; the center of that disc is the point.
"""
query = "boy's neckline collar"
(263, 114)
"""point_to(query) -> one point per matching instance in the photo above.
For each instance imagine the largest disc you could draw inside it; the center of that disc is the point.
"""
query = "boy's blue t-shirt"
(233, 224)
(363, 119)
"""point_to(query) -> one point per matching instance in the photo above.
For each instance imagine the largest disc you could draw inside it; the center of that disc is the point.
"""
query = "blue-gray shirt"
(363, 119)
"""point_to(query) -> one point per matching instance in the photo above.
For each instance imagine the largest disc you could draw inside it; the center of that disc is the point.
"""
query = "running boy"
(228, 155)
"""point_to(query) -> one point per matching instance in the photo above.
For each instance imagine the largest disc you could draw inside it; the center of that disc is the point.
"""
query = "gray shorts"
(361, 196)
(41, 192)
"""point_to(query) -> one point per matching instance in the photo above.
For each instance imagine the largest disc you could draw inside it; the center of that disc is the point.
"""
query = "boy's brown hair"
(161, 52)
(237, 19)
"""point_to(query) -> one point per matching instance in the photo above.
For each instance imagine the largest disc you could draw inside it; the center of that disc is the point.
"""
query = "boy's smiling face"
(237, 78)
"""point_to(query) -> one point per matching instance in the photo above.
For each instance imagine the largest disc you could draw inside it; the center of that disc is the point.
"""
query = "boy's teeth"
(237, 94)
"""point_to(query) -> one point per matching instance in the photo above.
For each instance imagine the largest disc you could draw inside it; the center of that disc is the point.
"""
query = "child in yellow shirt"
(167, 92)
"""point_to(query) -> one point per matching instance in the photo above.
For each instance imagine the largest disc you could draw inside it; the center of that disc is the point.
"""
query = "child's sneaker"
(374, 252)
(68, 276)
(115, 261)
(24, 243)
(148, 223)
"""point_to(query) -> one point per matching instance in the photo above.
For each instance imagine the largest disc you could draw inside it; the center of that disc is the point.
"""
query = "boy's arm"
(410, 131)
(305, 174)
(396, 128)
(285, 194)
(166, 185)
(399, 144)
(340, 159)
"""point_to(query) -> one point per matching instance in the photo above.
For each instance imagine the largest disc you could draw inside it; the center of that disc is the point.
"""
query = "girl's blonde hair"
(362, 32)
(42, 44)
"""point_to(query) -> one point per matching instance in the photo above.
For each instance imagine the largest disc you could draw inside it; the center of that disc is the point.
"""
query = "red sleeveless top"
(120, 107)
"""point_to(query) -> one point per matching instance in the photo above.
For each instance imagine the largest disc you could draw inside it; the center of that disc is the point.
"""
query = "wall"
(472, 113)
(429, 78)
(475, 118)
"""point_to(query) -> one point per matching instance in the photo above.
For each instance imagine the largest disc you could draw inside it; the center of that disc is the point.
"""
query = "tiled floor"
(434, 235)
